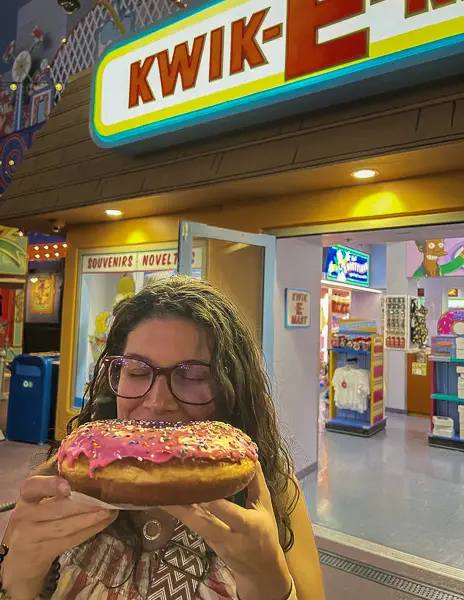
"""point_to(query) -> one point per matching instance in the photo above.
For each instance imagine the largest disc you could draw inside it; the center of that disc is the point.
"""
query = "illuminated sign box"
(241, 62)
(346, 265)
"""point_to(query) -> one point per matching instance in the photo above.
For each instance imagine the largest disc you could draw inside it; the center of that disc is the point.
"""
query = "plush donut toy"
(157, 464)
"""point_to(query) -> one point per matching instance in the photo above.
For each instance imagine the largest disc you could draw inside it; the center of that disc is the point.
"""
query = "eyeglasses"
(131, 378)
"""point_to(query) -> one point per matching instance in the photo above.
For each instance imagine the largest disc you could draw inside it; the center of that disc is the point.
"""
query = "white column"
(296, 387)
(397, 283)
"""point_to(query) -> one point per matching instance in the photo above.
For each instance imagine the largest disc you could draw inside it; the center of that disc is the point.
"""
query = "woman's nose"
(159, 398)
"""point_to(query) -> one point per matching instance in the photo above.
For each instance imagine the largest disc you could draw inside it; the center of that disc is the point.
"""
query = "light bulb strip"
(45, 251)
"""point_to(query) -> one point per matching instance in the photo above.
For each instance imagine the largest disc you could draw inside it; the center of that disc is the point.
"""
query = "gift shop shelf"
(350, 351)
(351, 422)
(440, 359)
(447, 398)
(447, 403)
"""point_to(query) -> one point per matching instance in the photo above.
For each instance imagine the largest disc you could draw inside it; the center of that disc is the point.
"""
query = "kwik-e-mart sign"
(240, 62)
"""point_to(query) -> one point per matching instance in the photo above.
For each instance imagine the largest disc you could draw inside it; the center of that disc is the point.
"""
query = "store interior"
(391, 412)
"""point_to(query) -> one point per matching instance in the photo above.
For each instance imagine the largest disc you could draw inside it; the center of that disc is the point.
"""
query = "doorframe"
(189, 230)
(398, 222)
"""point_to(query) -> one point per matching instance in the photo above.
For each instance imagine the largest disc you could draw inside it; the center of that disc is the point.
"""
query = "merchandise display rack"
(373, 419)
(445, 402)
(399, 326)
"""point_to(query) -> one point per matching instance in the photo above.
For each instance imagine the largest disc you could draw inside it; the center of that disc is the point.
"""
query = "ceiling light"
(55, 246)
(36, 247)
(37, 255)
(21, 233)
(65, 245)
(57, 253)
(46, 247)
(34, 279)
(113, 212)
(47, 255)
(364, 174)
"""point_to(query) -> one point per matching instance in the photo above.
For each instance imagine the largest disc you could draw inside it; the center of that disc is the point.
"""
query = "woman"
(257, 547)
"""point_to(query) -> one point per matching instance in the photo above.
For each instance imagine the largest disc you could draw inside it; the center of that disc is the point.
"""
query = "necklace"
(152, 530)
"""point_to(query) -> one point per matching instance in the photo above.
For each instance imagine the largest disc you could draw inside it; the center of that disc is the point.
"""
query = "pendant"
(152, 530)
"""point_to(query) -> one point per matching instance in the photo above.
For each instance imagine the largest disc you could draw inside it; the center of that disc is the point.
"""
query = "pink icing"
(104, 442)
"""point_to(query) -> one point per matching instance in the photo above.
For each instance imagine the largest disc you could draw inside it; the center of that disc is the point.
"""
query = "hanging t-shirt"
(352, 388)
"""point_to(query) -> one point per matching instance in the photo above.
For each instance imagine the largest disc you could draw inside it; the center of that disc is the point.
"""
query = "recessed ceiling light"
(111, 212)
(364, 174)
(34, 279)
(65, 245)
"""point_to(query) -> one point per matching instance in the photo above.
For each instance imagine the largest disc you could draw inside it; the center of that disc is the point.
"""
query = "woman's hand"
(246, 540)
(44, 524)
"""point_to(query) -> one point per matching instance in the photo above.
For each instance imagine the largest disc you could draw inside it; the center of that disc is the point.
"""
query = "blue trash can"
(29, 407)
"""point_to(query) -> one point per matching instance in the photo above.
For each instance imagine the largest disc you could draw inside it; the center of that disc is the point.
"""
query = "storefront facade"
(290, 177)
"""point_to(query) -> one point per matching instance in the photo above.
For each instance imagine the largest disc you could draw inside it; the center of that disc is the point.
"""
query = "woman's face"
(166, 343)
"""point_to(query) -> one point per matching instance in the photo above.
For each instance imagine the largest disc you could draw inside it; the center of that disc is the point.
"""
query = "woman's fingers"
(200, 520)
(71, 526)
(35, 489)
(258, 492)
(229, 513)
(53, 509)
(82, 536)
(74, 527)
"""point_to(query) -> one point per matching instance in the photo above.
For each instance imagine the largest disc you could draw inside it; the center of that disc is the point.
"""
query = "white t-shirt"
(352, 388)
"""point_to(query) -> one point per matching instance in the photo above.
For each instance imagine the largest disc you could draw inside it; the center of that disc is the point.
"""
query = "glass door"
(241, 264)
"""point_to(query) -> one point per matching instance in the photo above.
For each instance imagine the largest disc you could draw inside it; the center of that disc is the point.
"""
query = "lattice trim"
(79, 51)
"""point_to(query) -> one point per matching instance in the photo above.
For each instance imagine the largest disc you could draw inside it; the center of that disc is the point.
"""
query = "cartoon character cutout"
(433, 250)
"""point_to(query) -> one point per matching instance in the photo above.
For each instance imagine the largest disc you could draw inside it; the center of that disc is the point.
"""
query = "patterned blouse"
(102, 569)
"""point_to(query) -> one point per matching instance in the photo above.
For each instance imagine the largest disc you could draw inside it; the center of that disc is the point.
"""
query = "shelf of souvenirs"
(355, 343)
(445, 359)
(448, 398)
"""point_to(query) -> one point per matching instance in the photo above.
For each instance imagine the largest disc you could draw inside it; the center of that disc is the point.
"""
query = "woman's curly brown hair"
(244, 398)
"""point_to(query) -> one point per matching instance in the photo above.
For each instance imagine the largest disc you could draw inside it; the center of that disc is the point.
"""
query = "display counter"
(356, 375)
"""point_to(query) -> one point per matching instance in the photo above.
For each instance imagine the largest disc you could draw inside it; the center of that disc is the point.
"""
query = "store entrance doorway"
(265, 277)
(243, 265)
(400, 488)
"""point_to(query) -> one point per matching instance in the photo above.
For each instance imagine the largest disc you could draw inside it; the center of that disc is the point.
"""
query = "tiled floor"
(16, 461)
(392, 489)
(400, 573)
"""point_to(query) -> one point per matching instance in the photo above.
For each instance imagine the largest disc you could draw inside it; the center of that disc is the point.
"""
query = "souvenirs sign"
(129, 262)
(238, 62)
